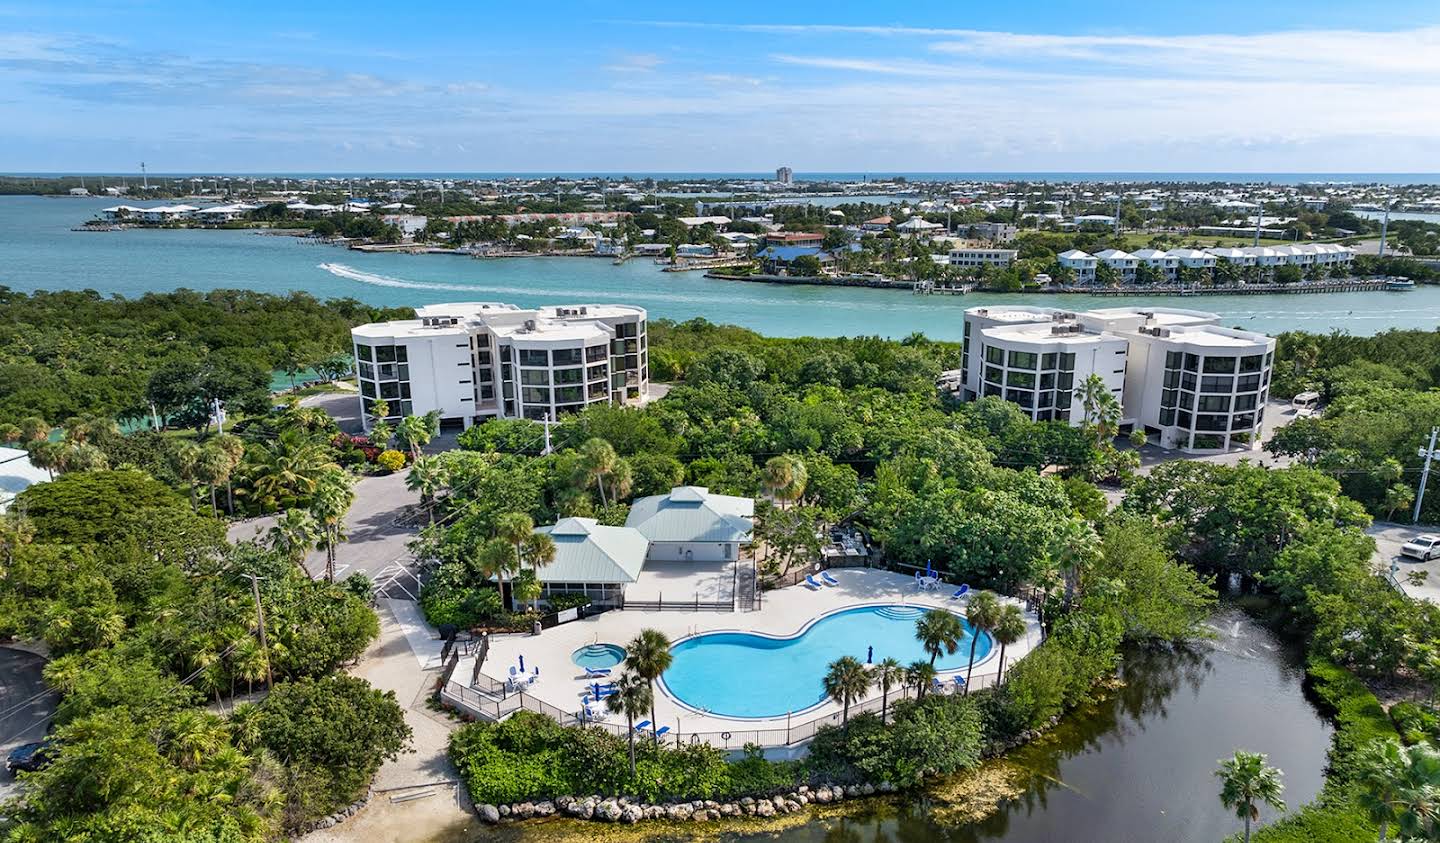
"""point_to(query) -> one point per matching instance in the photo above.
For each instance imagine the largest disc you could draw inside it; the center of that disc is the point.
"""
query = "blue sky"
(638, 86)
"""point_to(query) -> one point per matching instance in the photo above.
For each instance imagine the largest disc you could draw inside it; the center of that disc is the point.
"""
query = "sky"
(557, 86)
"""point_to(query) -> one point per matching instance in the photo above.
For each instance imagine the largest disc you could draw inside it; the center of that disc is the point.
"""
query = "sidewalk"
(405, 660)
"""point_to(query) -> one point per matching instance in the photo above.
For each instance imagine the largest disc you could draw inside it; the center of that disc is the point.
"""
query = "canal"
(1136, 766)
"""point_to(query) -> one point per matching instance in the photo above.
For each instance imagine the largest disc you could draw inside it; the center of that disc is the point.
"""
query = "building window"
(1173, 359)
(1047, 380)
(1244, 402)
(1167, 418)
(1212, 383)
(1066, 380)
(1214, 404)
(1192, 363)
(1220, 365)
(595, 373)
(534, 395)
(566, 356)
(569, 394)
(1067, 362)
(534, 377)
(596, 353)
(534, 357)
(994, 354)
(1251, 363)
(1169, 398)
(1022, 360)
(1024, 380)
(1248, 383)
(364, 352)
(1048, 360)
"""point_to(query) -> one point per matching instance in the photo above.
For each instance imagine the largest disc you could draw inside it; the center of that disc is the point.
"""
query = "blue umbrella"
(522, 664)
(870, 654)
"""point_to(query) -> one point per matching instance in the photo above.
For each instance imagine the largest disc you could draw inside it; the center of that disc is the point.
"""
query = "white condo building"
(477, 360)
(1168, 263)
(1188, 382)
(982, 257)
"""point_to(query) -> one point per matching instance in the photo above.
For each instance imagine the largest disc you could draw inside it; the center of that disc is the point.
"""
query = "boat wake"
(353, 274)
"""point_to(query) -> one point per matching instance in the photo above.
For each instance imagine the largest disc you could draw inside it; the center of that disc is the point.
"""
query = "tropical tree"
(920, 674)
(536, 550)
(332, 499)
(428, 475)
(939, 631)
(888, 673)
(983, 612)
(293, 534)
(786, 477)
(1075, 547)
(648, 657)
(1009, 627)
(845, 682)
(598, 460)
(1400, 786)
(1102, 410)
(233, 447)
(213, 467)
(286, 470)
(631, 698)
(497, 558)
(415, 432)
(185, 460)
(1245, 782)
(514, 527)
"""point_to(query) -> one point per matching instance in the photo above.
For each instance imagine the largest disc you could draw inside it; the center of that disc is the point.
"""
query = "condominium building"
(982, 257)
(1080, 263)
(1122, 262)
(1188, 382)
(784, 175)
(476, 360)
(1267, 258)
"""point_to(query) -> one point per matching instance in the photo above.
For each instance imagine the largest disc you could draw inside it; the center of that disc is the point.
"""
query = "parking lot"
(25, 707)
(1388, 538)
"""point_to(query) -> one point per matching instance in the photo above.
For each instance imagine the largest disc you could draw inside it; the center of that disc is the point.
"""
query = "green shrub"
(1359, 717)
(1316, 824)
(390, 460)
(938, 735)
(1415, 722)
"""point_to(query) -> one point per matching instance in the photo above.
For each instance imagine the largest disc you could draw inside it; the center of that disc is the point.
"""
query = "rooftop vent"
(529, 324)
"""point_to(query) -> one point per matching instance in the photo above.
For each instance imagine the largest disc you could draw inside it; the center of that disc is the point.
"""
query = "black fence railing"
(662, 605)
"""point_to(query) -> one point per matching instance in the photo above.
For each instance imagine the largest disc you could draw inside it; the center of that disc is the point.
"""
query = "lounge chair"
(660, 732)
(936, 686)
(960, 592)
(810, 581)
(596, 672)
(825, 575)
(959, 682)
(642, 725)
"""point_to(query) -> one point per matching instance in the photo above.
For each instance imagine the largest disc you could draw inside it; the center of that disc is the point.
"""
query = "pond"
(1137, 766)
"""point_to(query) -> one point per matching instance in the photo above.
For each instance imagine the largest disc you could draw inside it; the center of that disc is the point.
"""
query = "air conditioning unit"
(529, 324)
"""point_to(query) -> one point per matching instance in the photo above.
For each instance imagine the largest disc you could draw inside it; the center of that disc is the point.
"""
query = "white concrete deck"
(677, 582)
(786, 612)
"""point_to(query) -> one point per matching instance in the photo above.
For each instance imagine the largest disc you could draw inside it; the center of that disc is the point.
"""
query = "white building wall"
(692, 552)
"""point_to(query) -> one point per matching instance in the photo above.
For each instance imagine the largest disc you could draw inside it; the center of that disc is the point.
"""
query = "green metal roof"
(587, 552)
(693, 514)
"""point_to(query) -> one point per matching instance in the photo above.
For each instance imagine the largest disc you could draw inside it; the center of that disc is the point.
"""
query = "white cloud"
(635, 63)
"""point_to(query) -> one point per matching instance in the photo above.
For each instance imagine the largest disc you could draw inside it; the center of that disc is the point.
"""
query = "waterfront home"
(121, 212)
(1122, 262)
(1188, 382)
(1082, 264)
(693, 524)
(918, 227)
(409, 224)
(167, 213)
(776, 258)
(224, 213)
(877, 224)
(981, 257)
(1234, 257)
(803, 239)
(1193, 258)
(592, 559)
(474, 361)
(695, 222)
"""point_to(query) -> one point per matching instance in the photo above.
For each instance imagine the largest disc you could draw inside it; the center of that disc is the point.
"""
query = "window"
(568, 375)
(1022, 397)
(1167, 418)
(390, 390)
(484, 375)
(1192, 363)
(566, 356)
(569, 394)
(1066, 380)
(534, 357)
(483, 357)
(384, 354)
(595, 373)
(1048, 360)
(1220, 365)
(533, 395)
(1024, 380)
(1242, 421)
(1187, 381)
(1169, 398)
(1022, 360)
(1212, 383)
(537, 413)
(1183, 418)
(364, 352)
(1251, 363)
(367, 389)
(626, 329)
(1248, 383)
(367, 370)
(1172, 378)
(1173, 359)
(487, 392)
(534, 377)
(1067, 362)
(1047, 380)
(596, 353)
(1047, 400)
(1062, 401)
(1214, 404)
(994, 354)
(994, 374)
(1244, 402)
(992, 389)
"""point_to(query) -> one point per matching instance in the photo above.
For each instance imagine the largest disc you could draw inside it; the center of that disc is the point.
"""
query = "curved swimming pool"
(740, 674)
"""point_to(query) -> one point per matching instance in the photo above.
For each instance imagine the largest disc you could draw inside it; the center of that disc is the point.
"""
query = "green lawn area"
(1140, 239)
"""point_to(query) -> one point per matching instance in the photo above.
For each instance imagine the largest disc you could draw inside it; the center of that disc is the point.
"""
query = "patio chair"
(936, 686)
(596, 672)
(810, 581)
(959, 682)
(660, 732)
(960, 592)
(829, 580)
(642, 725)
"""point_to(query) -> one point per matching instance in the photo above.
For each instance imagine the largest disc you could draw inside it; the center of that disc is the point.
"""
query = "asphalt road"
(25, 707)
(1388, 538)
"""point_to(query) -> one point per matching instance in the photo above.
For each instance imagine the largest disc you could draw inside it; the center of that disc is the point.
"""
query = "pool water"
(738, 674)
(598, 655)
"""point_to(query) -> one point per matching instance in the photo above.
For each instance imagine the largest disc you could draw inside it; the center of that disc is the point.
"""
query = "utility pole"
(144, 175)
(260, 616)
(1259, 216)
(546, 422)
(1428, 454)
(1385, 224)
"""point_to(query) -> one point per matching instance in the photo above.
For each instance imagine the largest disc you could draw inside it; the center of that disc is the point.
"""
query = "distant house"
(593, 560)
(794, 238)
(693, 222)
(876, 224)
(780, 257)
(691, 523)
(917, 226)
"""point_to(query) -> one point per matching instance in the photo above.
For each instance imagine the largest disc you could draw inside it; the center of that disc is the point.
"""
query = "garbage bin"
(535, 628)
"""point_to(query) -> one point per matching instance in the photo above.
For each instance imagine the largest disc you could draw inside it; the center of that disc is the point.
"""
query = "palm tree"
(786, 477)
(185, 459)
(983, 612)
(415, 432)
(631, 698)
(1075, 546)
(496, 558)
(287, 469)
(1009, 627)
(1246, 781)
(598, 460)
(920, 674)
(1400, 785)
(537, 550)
(939, 631)
(514, 527)
(845, 682)
(648, 656)
(234, 449)
(213, 468)
(428, 475)
(293, 534)
(332, 499)
(888, 673)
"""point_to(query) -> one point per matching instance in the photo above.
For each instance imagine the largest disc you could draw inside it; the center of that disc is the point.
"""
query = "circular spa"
(740, 674)
(598, 656)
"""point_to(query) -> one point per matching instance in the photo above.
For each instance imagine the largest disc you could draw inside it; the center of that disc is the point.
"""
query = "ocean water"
(38, 251)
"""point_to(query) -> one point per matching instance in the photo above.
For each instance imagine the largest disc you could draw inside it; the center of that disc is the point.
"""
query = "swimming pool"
(598, 655)
(740, 674)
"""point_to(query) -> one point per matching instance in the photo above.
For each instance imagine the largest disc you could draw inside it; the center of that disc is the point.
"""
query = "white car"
(1424, 548)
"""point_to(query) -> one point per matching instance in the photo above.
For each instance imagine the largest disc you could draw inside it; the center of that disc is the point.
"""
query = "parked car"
(29, 757)
(1424, 547)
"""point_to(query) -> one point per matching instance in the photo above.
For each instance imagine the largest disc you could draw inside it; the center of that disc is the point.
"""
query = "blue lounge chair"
(810, 581)
(936, 686)
(825, 575)
(597, 672)
(660, 732)
(642, 725)
(960, 592)
(959, 682)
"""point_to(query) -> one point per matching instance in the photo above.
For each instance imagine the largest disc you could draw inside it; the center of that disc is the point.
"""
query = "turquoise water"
(598, 656)
(38, 251)
(738, 674)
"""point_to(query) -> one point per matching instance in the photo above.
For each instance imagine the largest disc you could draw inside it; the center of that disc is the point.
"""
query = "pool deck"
(786, 612)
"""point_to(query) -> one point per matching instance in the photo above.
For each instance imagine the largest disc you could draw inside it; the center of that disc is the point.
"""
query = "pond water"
(1137, 766)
